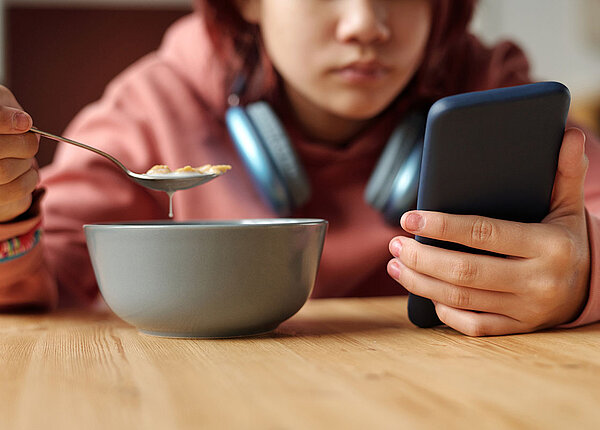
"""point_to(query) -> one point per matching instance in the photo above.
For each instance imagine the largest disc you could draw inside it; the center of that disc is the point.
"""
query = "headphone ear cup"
(404, 190)
(393, 185)
(282, 152)
(249, 142)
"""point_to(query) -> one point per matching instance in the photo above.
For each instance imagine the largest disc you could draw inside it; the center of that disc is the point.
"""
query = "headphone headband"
(270, 159)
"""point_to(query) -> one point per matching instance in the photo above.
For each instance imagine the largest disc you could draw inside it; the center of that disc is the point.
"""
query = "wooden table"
(337, 364)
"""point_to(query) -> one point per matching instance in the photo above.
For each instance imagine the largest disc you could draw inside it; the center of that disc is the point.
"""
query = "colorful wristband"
(17, 246)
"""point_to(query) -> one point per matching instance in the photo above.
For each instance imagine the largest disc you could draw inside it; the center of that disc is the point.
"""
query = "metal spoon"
(168, 182)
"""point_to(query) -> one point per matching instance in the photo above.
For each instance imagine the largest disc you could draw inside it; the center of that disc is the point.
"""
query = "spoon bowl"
(168, 183)
(172, 182)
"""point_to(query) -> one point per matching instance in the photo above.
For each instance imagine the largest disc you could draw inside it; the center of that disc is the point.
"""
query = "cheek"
(294, 33)
(291, 54)
(410, 29)
(296, 54)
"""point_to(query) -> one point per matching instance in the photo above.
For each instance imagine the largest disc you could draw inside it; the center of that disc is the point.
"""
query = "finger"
(448, 294)
(19, 146)
(13, 209)
(479, 324)
(488, 234)
(460, 268)
(570, 174)
(12, 168)
(20, 187)
(14, 121)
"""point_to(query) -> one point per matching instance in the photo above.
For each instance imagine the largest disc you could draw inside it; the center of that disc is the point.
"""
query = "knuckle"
(564, 246)
(444, 227)
(410, 256)
(482, 230)
(458, 298)
(463, 272)
(561, 249)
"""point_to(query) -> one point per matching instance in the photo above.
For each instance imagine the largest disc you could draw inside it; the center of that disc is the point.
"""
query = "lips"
(362, 72)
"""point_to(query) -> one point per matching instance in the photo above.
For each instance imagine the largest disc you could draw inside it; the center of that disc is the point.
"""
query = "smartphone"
(492, 153)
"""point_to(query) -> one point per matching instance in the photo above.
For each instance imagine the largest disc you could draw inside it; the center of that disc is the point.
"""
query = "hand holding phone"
(489, 163)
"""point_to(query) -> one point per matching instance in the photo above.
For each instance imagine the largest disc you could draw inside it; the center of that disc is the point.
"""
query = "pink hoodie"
(168, 109)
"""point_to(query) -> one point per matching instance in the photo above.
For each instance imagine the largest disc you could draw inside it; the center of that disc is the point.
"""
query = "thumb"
(14, 120)
(570, 175)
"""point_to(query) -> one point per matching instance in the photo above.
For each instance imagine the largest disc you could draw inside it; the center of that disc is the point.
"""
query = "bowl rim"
(206, 224)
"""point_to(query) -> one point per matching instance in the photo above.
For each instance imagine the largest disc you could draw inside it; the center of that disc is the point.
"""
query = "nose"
(363, 22)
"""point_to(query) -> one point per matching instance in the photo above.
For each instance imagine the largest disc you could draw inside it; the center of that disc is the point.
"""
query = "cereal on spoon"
(207, 169)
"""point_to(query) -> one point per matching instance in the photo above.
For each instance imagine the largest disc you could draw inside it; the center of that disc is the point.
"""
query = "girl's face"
(347, 58)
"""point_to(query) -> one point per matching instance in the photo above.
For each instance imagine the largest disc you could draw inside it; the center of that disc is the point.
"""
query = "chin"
(359, 105)
(359, 110)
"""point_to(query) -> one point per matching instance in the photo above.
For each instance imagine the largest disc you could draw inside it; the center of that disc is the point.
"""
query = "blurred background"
(57, 55)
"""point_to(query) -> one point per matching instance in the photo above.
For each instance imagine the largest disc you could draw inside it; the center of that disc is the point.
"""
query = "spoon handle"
(81, 145)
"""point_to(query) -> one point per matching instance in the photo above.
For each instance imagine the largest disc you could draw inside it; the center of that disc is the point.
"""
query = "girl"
(340, 75)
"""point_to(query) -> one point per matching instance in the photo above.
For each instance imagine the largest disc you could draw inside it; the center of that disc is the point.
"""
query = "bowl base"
(242, 333)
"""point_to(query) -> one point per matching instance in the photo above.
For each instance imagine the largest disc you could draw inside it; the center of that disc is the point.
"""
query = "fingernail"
(21, 121)
(414, 222)
(396, 247)
(394, 269)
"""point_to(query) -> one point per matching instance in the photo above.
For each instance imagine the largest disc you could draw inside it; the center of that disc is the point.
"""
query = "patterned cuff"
(18, 246)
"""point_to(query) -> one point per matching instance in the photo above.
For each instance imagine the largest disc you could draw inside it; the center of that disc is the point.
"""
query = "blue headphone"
(270, 159)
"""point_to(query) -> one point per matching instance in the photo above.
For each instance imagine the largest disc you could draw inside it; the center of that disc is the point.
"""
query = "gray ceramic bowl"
(206, 279)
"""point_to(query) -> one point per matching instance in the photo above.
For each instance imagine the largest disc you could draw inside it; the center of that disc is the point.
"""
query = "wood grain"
(343, 363)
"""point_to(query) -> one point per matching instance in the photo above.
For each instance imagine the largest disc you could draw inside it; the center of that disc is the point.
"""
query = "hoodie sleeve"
(25, 282)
